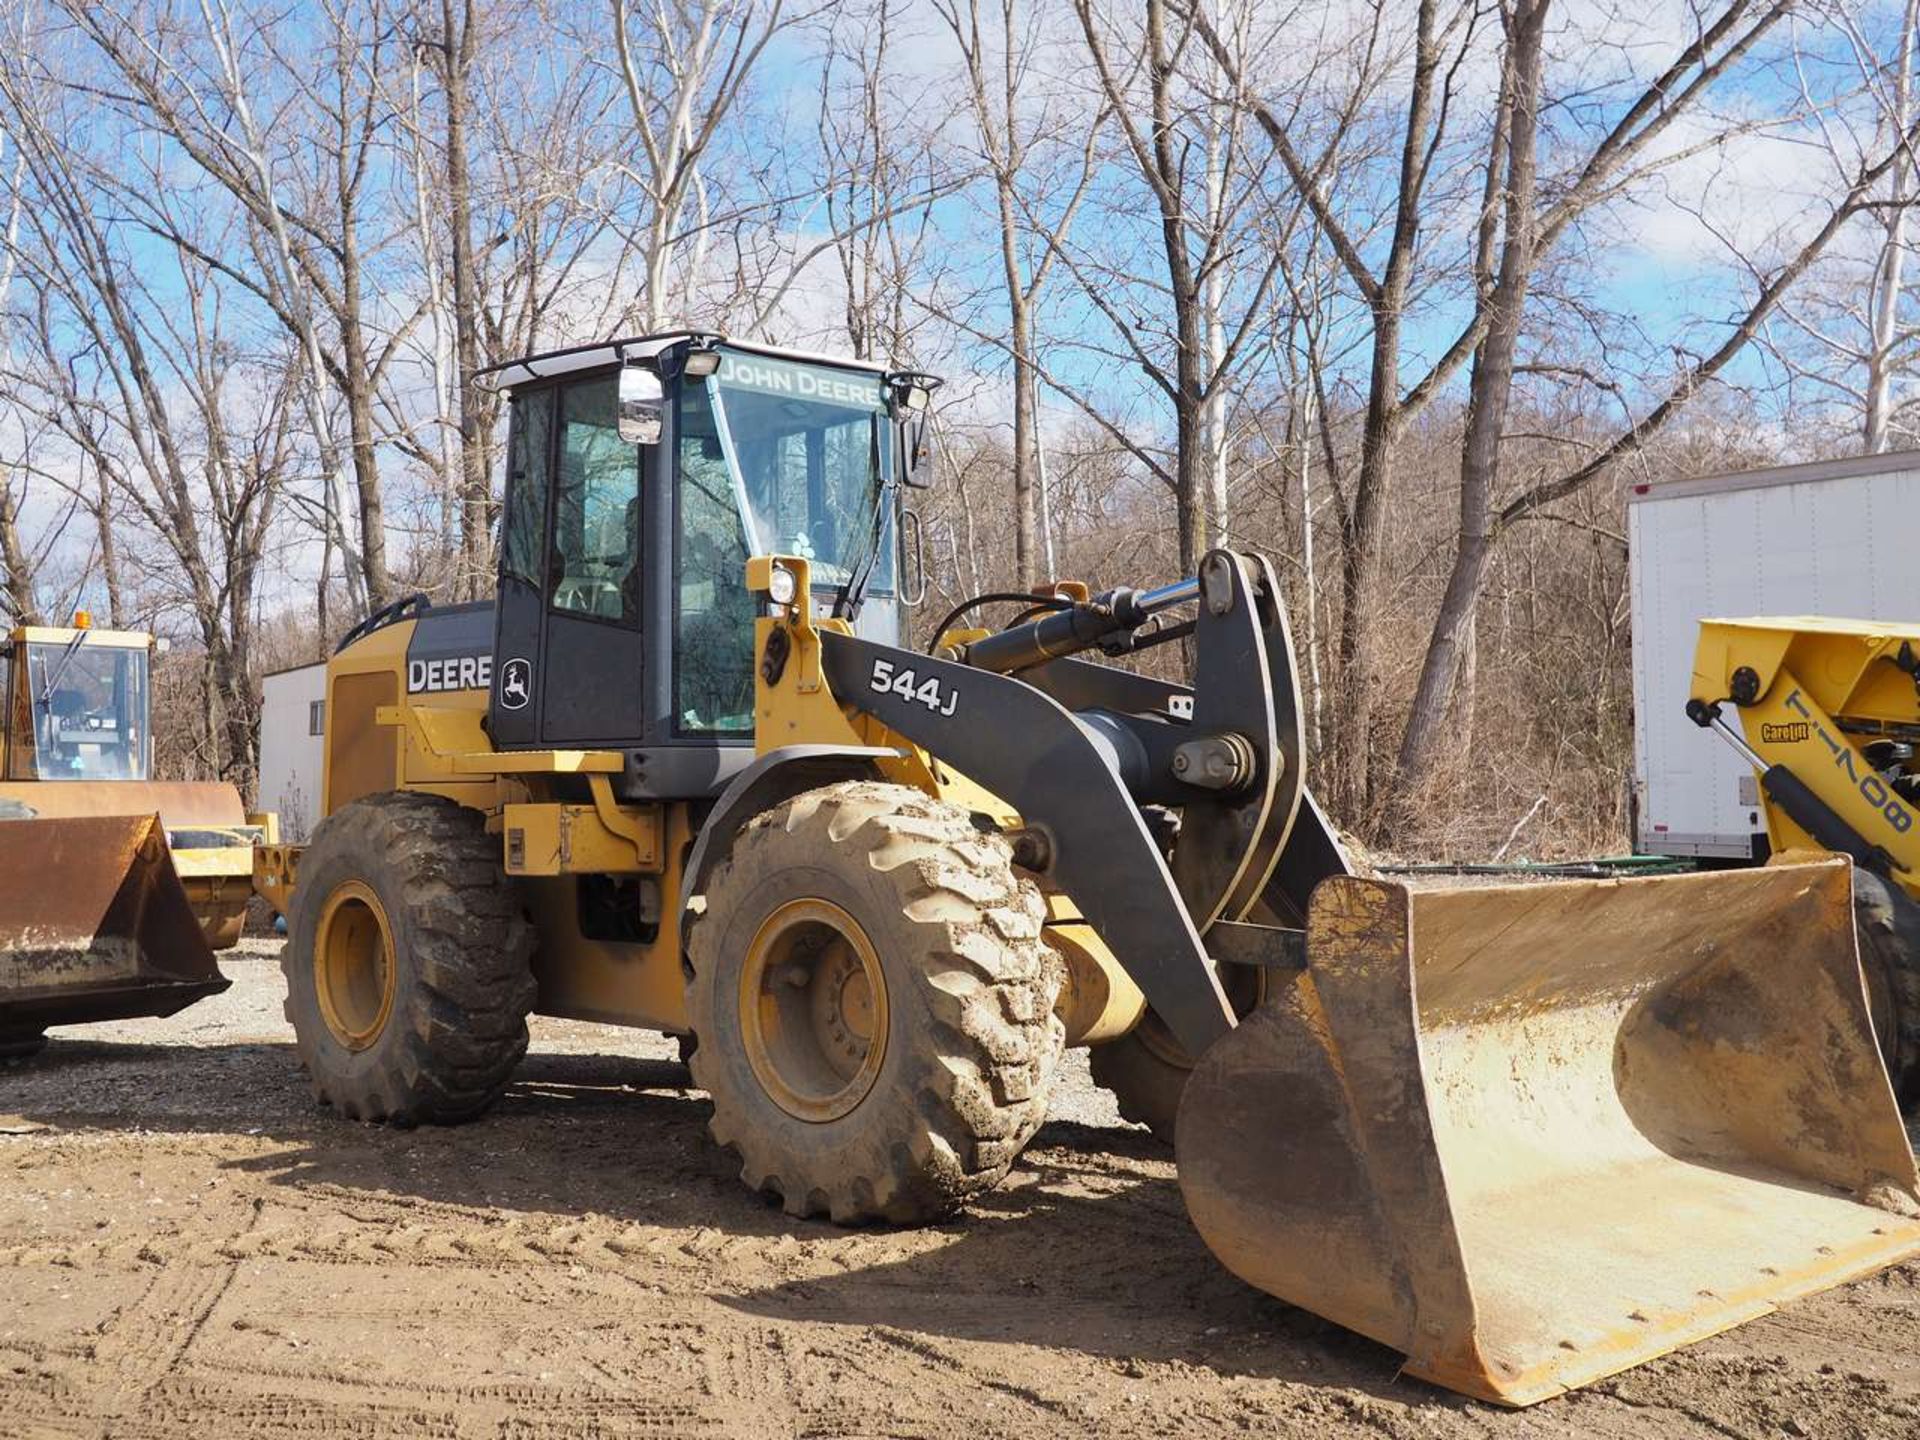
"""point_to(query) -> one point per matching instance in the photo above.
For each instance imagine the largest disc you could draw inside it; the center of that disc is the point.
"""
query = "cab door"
(570, 637)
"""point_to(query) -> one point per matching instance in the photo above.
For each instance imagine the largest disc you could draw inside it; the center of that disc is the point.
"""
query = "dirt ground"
(188, 1247)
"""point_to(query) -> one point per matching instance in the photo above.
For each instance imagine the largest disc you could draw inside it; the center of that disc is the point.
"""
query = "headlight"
(781, 585)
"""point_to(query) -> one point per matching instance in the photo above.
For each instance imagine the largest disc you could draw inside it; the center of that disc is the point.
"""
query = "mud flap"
(1533, 1135)
(95, 924)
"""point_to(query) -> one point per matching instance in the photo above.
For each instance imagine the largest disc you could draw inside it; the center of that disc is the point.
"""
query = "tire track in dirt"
(582, 1264)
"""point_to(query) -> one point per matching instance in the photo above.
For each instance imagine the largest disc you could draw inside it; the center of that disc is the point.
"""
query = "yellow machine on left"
(115, 888)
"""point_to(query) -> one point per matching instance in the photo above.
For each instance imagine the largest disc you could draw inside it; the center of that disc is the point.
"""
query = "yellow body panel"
(1099, 1000)
(548, 839)
(616, 982)
(379, 739)
(275, 870)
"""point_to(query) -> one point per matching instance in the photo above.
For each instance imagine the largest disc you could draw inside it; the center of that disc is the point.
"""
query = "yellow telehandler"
(1528, 1135)
(1830, 719)
(115, 888)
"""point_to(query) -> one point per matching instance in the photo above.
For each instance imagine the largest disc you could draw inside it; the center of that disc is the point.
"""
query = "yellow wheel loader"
(1830, 719)
(1529, 1136)
(115, 888)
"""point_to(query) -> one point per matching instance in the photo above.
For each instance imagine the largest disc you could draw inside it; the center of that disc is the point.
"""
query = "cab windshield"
(774, 457)
(87, 705)
(809, 447)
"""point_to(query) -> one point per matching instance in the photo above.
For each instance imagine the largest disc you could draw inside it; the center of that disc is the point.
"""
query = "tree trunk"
(1189, 477)
(1489, 391)
(1361, 530)
(109, 550)
(23, 608)
(476, 558)
(359, 395)
(1889, 277)
(1027, 550)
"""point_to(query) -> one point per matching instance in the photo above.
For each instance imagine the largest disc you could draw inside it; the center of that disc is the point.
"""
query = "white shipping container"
(293, 722)
(1835, 538)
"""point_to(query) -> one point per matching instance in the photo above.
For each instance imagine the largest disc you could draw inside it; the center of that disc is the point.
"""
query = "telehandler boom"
(1529, 1136)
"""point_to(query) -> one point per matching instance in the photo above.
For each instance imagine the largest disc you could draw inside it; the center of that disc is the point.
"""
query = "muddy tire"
(17, 1045)
(874, 1005)
(1888, 925)
(408, 962)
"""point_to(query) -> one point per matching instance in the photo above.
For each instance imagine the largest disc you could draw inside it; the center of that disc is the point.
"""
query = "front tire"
(408, 962)
(874, 1005)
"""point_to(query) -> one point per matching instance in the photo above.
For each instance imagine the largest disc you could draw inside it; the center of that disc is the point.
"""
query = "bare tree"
(452, 45)
(1849, 336)
(184, 80)
(998, 49)
(684, 66)
(1483, 518)
(143, 378)
(1159, 118)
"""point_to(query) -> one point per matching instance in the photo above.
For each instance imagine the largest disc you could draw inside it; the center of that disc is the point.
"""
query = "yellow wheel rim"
(813, 1010)
(353, 968)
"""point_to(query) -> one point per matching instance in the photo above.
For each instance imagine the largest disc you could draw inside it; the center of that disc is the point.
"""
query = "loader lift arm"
(1086, 774)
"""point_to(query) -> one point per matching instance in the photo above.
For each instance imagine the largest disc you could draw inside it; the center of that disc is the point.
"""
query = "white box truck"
(293, 722)
(1834, 538)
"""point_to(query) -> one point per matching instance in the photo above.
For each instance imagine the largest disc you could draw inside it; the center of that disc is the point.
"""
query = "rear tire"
(1888, 925)
(874, 1005)
(408, 962)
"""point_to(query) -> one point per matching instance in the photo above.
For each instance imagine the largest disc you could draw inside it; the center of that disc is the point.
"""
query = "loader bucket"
(1531, 1135)
(95, 925)
(209, 841)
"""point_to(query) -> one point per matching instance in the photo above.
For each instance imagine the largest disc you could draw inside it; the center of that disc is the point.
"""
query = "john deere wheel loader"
(115, 888)
(1529, 1136)
(1830, 719)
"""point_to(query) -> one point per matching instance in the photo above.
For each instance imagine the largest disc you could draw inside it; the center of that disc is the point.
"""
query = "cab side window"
(529, 452)
(595, 566)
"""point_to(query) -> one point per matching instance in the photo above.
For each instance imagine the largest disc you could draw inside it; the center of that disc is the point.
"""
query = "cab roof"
(62, 634)
(603, 353)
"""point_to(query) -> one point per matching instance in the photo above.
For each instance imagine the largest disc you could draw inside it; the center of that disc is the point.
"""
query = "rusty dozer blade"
(1531, 1135)
(95, 925)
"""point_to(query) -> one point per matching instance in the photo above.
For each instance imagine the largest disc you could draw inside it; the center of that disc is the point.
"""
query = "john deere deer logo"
(516, 685)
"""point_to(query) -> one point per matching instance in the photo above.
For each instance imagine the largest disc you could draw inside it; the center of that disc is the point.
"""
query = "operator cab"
(641, 475)
(76, 704)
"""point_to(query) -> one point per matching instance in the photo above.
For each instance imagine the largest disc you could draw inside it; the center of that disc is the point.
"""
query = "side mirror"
(642, 407)
(923, 452)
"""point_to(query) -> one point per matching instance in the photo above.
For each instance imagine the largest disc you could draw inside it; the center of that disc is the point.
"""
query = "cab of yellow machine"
(77, 704)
